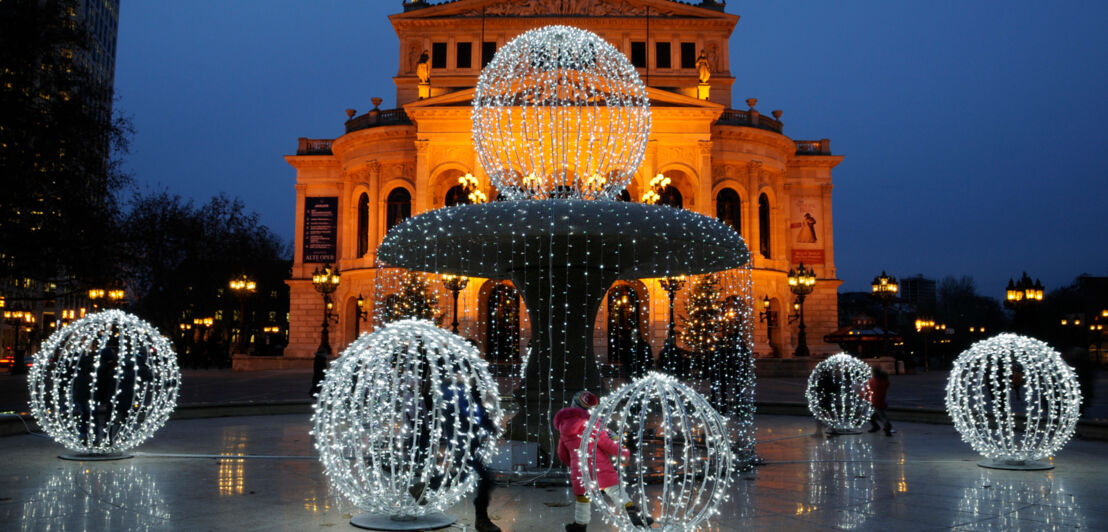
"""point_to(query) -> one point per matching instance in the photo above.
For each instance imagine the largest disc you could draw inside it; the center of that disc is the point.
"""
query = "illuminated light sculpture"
(677, 442)
(1014, 400)
(560, 113)
(838, 393)
(394, 424)
(104, 384)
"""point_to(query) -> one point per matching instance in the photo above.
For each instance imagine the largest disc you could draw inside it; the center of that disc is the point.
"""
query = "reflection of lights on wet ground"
(841, 473)
(113, 498)
(232, 471)
(1009, 501)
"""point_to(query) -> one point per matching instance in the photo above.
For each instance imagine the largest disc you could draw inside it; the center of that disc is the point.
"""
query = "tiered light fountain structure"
(560, 123)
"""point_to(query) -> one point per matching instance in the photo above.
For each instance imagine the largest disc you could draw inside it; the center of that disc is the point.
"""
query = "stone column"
(421, 200)
(705, 171)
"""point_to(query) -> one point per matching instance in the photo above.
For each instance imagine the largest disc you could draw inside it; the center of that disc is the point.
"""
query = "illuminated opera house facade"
(733, 164)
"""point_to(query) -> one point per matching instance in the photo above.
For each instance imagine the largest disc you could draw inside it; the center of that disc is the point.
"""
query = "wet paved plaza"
(258, 473)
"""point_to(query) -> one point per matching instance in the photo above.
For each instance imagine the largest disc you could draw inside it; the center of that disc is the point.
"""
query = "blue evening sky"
(972, 130)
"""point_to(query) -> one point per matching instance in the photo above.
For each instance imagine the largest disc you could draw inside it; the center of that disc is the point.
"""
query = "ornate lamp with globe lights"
(801, 282)
(325, 281)
(243, 287)
(455, 283)
(1014, 400)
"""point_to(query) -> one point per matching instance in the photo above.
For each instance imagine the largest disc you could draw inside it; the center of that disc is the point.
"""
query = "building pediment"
(707, 9)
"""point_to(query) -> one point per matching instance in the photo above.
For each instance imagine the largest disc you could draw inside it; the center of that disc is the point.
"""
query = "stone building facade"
(736, 164)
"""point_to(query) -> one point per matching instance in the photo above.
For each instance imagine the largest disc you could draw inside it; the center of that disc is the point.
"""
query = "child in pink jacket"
(570, 423)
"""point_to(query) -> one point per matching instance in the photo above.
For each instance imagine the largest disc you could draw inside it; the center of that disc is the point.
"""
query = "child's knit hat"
(585, 399)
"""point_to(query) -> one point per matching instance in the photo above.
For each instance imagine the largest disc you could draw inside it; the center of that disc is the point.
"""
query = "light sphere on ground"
(1013, 398)
(838, 392)
(104, 383)
(679, 466)
(397, 420)
(560, 113)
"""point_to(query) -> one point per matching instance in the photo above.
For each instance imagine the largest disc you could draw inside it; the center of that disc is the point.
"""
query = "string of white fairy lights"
(838, 392)
(396, 422)
(104, 383)
(560, 112)
(679, 467)
(1013, 398)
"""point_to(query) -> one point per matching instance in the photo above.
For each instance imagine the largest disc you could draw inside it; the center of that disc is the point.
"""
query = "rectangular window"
(688, 55)
(438, 55)
(463, 58)
(661, 55)
(488, 49)
(638, 54)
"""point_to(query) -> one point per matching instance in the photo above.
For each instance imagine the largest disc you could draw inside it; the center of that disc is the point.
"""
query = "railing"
(377, 117)
(813, 147)
(314, 147)
(736, 117)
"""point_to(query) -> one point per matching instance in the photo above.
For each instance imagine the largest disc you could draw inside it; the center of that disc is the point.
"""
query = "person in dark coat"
(879, 390)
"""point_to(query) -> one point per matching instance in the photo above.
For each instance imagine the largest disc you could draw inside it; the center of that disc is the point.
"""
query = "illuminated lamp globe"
(1014, 400)
(560, 113)
(838, 393)
(400, 416)
(104, 384)
(679, 466)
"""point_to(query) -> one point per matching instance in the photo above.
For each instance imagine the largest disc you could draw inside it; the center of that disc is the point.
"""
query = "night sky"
(972, 131)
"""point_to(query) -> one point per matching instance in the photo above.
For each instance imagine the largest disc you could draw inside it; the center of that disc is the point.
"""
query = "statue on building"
(702, 67)
(423, 68)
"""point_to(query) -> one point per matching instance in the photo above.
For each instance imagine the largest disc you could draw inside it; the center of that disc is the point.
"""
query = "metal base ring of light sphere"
(842, 432)
(432, 521)
(1016, 465)
(93, 457)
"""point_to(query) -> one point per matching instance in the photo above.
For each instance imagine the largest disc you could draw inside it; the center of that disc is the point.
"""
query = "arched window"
(503, 324)
(672, 197)
(457, 195)
(763, 226)
(623, 195)
(399, 207)
(729, 209)
(363, 225)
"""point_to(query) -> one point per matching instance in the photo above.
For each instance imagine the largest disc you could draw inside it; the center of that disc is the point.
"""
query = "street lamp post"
(1022, 297)
(669, 354)
(360, 314)
(885, 289)
(455, 283)
(801, 282)
(924, 326)
(325, 280)
(243, 287)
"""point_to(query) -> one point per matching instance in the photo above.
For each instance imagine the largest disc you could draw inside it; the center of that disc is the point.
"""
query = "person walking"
(570, 423)
(879, 390)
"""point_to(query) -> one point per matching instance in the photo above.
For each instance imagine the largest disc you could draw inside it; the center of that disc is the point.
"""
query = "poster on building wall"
(806, 230)
(321, 220)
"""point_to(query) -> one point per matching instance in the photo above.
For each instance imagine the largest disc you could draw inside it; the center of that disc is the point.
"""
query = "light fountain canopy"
(560, 113)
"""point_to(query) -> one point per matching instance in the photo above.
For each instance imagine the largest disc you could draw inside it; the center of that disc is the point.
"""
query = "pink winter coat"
(570, 423)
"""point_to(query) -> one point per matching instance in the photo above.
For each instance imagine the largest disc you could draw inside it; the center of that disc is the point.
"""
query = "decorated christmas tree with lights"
(415, 300)
(702, 324)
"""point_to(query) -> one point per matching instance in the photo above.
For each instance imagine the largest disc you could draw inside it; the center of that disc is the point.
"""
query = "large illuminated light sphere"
(395, 420)
(1014, 400)
(679, 468)
(560, 113)
(838, 393)
(104, 384)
